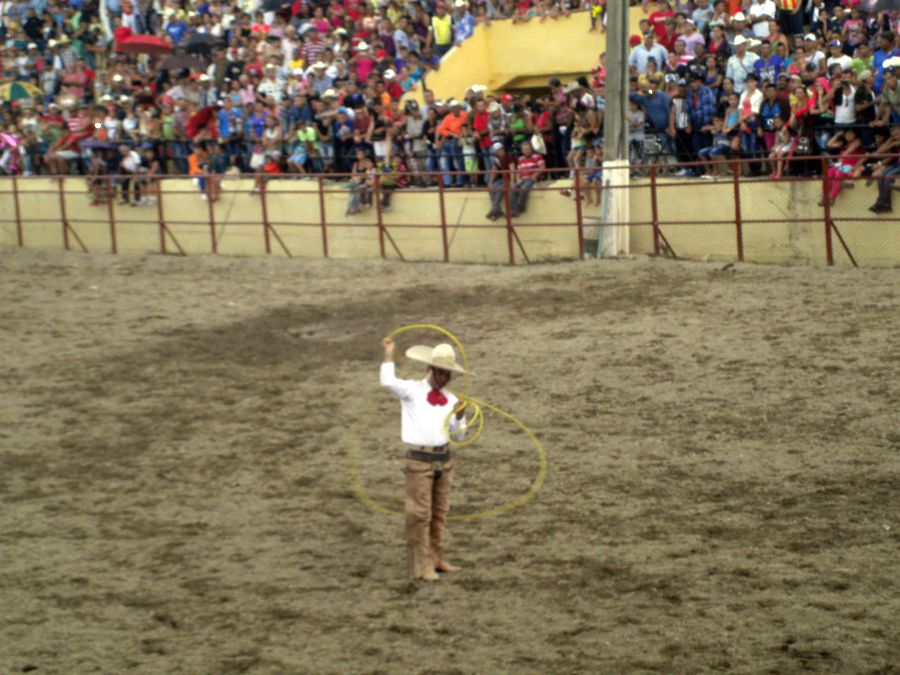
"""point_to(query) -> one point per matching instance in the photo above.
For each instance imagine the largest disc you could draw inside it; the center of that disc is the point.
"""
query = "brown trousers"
(427, 503)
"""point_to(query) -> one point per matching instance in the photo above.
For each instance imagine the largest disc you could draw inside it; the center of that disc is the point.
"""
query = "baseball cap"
(496, 147)
(809, 36)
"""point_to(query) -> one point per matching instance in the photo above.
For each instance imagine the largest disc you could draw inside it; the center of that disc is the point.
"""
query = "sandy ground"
(722, 490)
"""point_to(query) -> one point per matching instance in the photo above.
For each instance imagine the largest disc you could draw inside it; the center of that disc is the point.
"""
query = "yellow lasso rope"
(352, 461)
(464, 397)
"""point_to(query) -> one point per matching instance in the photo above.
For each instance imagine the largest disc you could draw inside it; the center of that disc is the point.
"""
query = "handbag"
(537, 142)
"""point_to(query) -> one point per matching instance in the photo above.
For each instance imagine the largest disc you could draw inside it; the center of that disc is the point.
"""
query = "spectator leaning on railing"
(308, 87)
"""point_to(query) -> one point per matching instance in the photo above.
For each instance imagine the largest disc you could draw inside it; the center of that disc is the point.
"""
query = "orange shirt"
(194, 165)
(452, 124)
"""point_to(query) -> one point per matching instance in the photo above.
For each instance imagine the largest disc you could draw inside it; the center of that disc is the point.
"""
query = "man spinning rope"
(426, 411)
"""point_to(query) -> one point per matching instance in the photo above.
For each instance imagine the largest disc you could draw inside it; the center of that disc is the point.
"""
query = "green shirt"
(308, 135)
(859, 65)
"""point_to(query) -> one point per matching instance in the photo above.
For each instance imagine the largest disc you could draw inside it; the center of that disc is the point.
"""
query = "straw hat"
(442, 357)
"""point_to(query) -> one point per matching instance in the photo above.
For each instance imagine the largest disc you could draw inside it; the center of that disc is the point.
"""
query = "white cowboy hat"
(740, 40)
(442, 357)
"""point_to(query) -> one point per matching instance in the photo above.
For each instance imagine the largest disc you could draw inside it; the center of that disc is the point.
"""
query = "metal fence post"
(443, 209)
(160, 218)
(654, 209)
(212, 215)
(379, 221)
(507, 186)
(110, 198)
(826, 202)
(738, 218)
(265, 215)
(20, 235)
(62, 212)
(579, 214)
(322, 216)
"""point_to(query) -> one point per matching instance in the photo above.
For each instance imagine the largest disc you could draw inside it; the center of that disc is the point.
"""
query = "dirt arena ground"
(722, 492)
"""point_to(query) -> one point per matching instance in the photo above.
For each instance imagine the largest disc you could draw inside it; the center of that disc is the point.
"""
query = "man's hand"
(388, 344)
(460, 410)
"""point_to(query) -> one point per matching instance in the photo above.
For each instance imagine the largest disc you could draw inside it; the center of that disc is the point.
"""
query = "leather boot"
(444, 566)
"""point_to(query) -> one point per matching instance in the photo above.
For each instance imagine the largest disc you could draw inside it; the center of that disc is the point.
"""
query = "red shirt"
(121, 33)
(530, 166)
(657, 20)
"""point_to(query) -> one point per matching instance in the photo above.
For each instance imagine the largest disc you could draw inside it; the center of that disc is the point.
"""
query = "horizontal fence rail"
(170, 204)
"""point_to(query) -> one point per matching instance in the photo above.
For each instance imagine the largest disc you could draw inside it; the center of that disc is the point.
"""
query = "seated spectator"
(850, 146)
(529, 170)
(720, 147)
(885, 171)
(498, 180)
(361, 183)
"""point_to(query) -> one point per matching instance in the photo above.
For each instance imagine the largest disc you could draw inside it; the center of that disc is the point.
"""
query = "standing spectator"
(440, 34)
(644, 52)
(837, 56)
(740, 65)
(791, 16)
(761, 12)
(768, 66)
(463, 22)
(749, 105)
(449, 132)
(886, 50)
(692, 39)
(771, 108)
(679, 130)
(889, 108)
(701, 106)
(845, 102)
(529, 169)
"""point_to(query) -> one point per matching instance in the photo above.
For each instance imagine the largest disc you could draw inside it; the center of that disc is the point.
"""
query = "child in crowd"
(360, 183)
(598, 15)
(594, 177)
(785, 142)
(720, 147)
(636, 134)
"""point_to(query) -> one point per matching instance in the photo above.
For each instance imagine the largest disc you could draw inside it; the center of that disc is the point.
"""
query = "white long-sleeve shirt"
(421, 423)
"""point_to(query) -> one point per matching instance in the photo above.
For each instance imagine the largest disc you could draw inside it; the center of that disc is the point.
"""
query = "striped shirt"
(529, 167)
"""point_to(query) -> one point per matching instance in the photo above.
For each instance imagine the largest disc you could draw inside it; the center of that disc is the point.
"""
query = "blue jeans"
(452, 160)
(518, 199)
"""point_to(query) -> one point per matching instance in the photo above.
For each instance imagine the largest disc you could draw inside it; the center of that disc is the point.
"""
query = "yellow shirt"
(443, 31)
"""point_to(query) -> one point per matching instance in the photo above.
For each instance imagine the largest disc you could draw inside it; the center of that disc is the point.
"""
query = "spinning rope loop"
(477, 418)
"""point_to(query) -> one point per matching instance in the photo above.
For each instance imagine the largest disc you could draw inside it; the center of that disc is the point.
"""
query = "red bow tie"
(436, 397)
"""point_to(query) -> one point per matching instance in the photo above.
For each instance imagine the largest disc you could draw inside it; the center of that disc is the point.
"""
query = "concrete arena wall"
(293, 209)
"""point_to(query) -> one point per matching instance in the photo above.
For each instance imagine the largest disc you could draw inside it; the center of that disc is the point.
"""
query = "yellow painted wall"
(294, 211)
(506, 55)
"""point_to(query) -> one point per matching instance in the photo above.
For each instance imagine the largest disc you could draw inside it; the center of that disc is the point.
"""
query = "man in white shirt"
(428, 415)
(836, 55)
(740, 65)
(761, 12)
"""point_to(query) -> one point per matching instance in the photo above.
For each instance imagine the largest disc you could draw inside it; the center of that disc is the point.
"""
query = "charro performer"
(428, 413)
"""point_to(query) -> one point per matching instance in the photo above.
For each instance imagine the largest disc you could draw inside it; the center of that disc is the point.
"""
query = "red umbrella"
(145, 44)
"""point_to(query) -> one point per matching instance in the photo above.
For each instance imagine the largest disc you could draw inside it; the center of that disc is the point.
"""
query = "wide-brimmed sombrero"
(442, 356)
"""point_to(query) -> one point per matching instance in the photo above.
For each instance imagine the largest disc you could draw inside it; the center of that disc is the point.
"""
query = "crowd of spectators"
(300, 86)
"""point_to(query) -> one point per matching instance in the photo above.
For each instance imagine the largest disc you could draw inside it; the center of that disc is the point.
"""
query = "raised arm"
(399, 388)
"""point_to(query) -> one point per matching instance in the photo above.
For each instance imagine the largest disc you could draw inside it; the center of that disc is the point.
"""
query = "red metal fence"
(656, 181)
